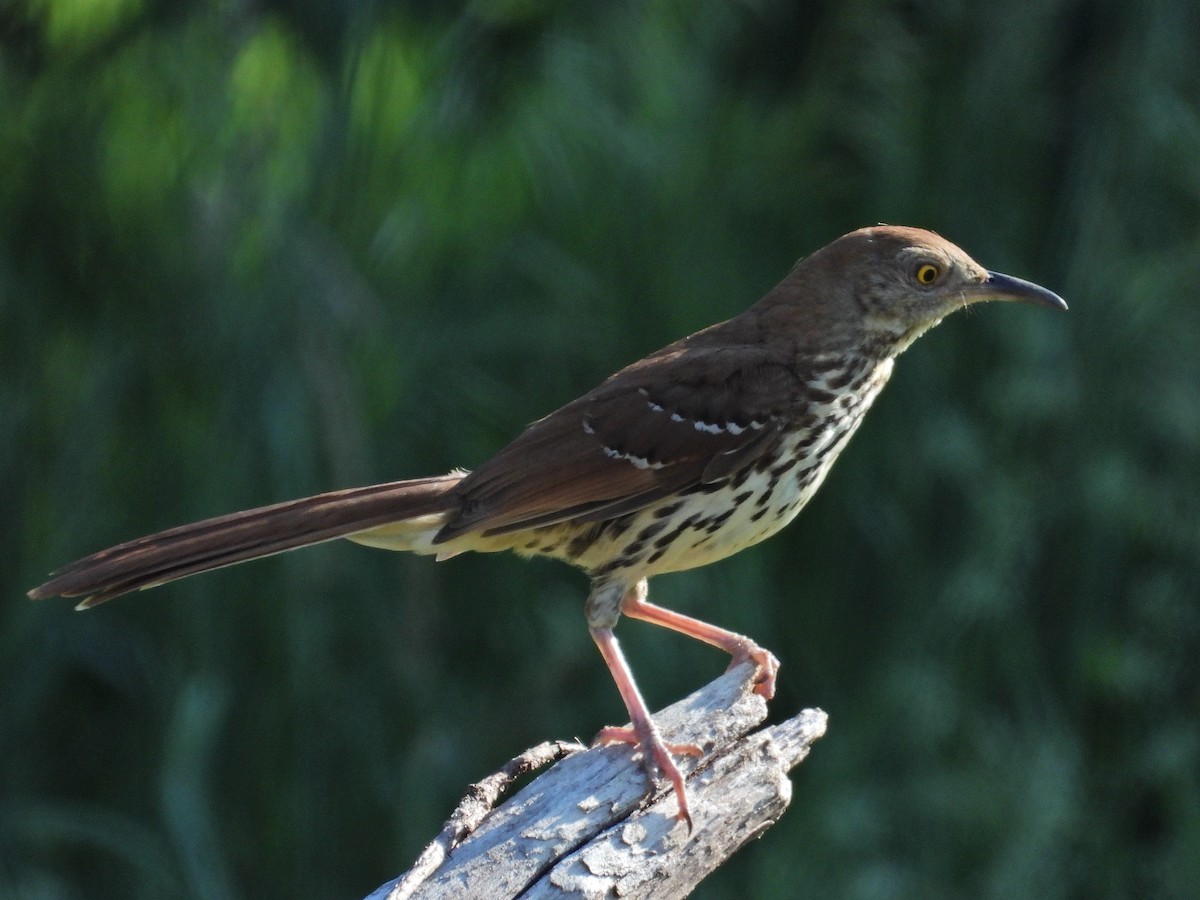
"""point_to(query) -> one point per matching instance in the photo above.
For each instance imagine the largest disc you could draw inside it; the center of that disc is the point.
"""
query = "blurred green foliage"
(250, 251)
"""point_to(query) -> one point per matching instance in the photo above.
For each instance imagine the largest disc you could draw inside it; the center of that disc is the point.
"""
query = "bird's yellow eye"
(927, 273)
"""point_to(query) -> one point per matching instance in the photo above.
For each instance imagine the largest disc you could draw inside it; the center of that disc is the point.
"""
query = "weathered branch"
(587, 827)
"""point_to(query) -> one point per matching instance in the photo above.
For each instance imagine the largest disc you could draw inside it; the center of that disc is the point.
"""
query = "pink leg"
(741, 648)
(642, 731)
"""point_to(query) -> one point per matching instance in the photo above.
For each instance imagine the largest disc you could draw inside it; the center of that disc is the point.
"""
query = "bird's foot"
(766, 666)
(657, 756)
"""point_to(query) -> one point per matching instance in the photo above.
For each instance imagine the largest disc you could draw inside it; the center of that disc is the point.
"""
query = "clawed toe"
(657, 755)
(624, 734)
(766, 667)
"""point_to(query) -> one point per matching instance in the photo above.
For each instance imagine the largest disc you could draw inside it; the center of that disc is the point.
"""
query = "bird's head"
(894, 283)
(915, 278)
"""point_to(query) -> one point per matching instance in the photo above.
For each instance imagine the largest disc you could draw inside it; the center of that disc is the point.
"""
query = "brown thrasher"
(680, 459)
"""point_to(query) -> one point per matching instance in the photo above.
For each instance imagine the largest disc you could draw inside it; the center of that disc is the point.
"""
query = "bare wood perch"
(586, 827)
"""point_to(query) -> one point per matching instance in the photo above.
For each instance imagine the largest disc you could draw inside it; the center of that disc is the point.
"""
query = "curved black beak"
(1005, 287)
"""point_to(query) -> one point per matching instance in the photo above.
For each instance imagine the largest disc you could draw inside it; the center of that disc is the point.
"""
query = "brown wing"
(685, 416)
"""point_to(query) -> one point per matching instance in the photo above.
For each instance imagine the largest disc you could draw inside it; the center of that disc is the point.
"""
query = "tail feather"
(222, 541)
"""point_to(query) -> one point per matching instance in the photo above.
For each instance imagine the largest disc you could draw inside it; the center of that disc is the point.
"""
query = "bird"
(685, 457)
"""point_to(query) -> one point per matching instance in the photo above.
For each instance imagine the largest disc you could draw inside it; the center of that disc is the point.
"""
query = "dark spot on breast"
(583, 540)
(671, 536)
(617, 527)
(711, 487)
(670, 509)
(714, 524)
(784, 467)
(765, 497)
(809, 439)
(651, 530)
(622, 562)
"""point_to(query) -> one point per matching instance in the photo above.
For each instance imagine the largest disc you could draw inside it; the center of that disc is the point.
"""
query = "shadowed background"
(251, 251)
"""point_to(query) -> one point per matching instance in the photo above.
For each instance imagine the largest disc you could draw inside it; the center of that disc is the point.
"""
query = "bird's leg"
(656, 753)
(635, 605)
(641, 731)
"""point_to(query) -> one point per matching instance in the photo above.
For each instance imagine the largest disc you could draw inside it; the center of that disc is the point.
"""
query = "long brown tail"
(202, 546)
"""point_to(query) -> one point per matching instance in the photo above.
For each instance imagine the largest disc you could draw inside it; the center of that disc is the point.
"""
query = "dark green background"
(251, 251)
